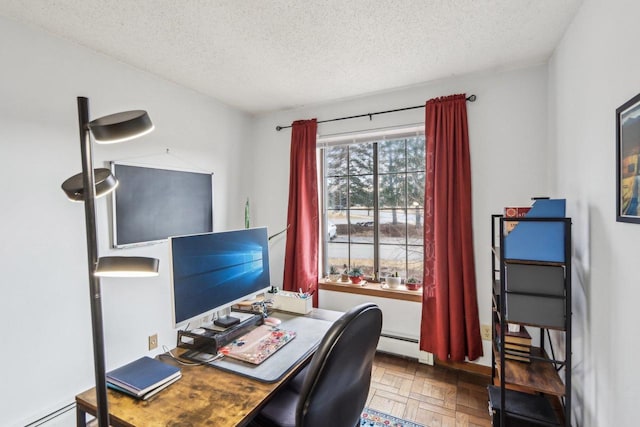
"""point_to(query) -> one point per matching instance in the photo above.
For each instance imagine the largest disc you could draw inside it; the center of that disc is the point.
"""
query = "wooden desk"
(203, 396)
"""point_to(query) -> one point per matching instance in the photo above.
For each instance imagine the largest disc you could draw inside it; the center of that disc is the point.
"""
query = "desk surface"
(203, 396)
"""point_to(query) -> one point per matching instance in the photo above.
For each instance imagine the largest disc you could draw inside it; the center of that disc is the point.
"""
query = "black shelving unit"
(534, 293)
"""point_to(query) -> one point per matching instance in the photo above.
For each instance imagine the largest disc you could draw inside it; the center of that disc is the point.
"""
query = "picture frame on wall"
(628, 161)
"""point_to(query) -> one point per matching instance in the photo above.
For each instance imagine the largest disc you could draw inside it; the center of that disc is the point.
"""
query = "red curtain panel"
(301, 253)
(450, 326)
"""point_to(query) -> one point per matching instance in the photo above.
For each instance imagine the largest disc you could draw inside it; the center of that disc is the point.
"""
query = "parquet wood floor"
(433, 396)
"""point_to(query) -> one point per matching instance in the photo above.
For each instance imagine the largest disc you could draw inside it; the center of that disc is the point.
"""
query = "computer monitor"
(212, 271)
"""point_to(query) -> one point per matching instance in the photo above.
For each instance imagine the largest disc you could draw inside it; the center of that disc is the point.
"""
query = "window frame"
(361, 137)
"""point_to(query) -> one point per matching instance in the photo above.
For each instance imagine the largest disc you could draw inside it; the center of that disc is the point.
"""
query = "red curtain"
(301, 253)
(450, 326)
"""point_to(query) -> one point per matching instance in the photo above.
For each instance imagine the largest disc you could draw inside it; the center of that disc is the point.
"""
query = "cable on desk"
(182, 362)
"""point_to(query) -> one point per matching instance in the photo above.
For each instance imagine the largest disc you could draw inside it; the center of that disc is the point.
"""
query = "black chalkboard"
(151, 204)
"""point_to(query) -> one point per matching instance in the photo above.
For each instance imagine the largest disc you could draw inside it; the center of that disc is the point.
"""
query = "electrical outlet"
(153, 341)
(485, 332)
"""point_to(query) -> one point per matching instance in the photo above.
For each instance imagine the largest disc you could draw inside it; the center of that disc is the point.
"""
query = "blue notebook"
(148, 394)
(143, 375)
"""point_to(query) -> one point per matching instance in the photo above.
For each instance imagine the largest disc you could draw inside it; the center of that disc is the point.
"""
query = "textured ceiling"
(267, 55)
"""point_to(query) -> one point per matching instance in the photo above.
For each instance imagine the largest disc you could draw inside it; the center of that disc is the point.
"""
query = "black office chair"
(333, 388)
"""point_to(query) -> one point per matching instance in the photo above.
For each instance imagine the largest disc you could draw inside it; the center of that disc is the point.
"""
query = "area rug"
(371, 418)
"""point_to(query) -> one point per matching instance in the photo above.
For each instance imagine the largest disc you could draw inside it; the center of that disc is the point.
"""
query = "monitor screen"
(212, 271)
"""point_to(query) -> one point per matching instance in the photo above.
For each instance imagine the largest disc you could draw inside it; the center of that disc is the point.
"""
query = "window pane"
(338, 255)
(361, 159)
(336, 193)
(391, 190)
(336, 160)
(391, 156)
(392, 260)
(415, 256)
(361, 192)
(415, 227)
(415, 154)
(393, 226)
(337, 226)
(362, 225)
(415, 190)
(362, 257)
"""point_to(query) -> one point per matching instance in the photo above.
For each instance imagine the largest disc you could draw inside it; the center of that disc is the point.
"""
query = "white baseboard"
(62, 417)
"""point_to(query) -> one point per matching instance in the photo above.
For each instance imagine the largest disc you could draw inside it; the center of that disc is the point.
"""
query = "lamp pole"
(102, 409)
(83, 187)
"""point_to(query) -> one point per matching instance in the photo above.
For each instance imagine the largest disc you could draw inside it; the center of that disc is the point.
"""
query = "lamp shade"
(104, 179)
(120, 127)
(123, 266)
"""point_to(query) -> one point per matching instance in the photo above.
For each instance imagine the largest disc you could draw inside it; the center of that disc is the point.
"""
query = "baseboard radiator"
(403, 346)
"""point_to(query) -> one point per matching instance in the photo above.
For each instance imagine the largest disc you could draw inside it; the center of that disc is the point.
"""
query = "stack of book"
(517, 343)
(143, 378)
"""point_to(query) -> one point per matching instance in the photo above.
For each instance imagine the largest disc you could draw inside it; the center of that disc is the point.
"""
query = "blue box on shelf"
(538, 240)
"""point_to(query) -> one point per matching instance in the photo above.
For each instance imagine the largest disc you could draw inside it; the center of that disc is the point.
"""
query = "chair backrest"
(337, 383)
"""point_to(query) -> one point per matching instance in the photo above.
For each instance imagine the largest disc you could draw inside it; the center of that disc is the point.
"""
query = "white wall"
(508, 131)
(594, 71)
(44, 307)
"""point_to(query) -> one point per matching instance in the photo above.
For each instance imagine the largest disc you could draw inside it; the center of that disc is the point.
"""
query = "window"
(373, 204)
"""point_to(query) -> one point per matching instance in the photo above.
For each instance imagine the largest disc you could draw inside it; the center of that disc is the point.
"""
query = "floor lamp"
(86, 187)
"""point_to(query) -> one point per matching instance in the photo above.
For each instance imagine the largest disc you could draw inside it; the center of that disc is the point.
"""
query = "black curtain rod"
(470, 98)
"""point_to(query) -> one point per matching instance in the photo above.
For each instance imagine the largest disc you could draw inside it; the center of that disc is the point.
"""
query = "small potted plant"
(334, 274)
(345, 274)
(355, 274)
(413, 284)
(394, 281)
